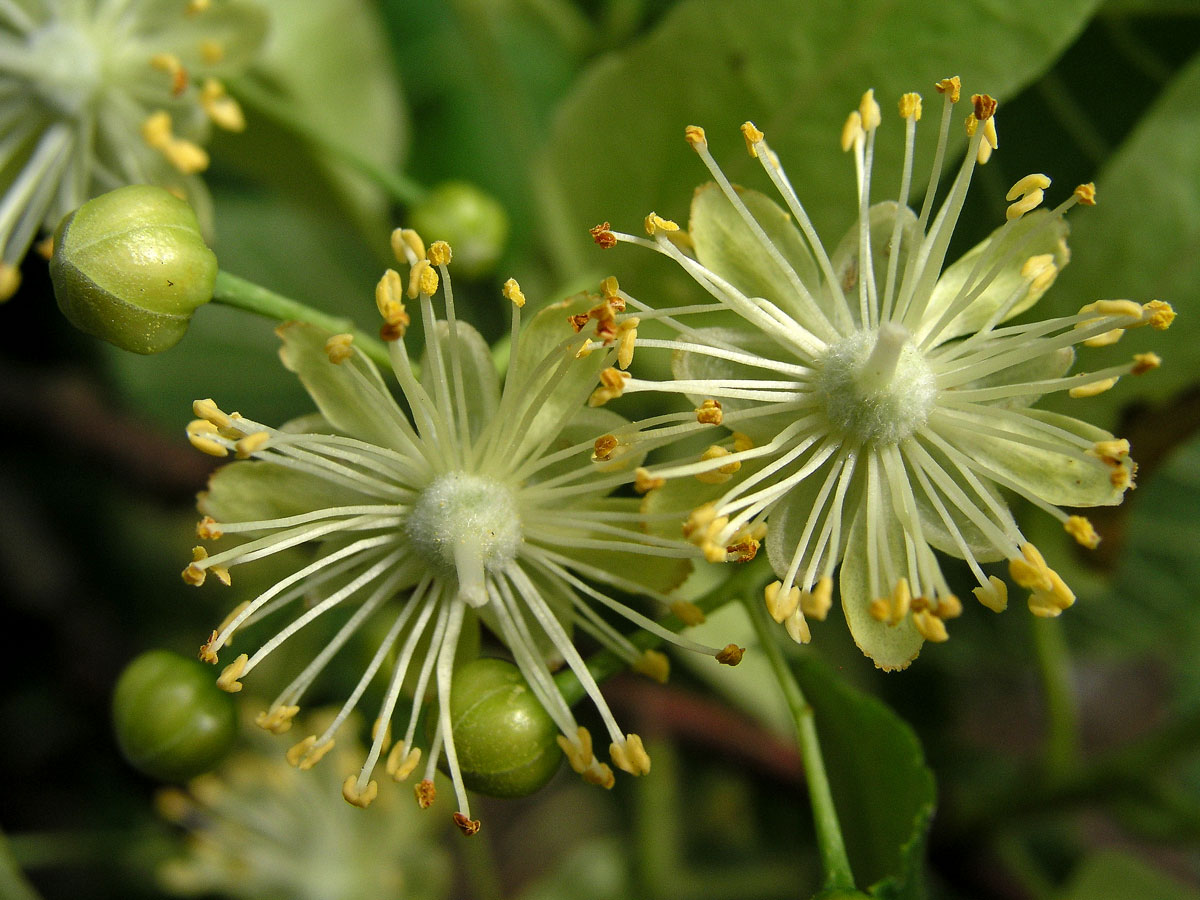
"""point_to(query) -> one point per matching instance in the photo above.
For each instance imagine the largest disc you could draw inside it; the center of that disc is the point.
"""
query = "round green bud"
(506, 742)
(172, 722)
(471, 221)
(131, 266)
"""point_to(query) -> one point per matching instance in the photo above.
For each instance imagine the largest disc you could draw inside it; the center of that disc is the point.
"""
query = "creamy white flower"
(878, 402)
(483, 502)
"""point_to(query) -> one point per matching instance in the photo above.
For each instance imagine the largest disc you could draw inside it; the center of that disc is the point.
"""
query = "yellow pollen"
(952, 87)
(719, 475)
(930, 626)
(207, 529)
(185, 156)
(512, 293)
(220, 107)
(407, 245)
(1042, 271)
(994, 596)
(339, 348)
(207, 654)
(753, 137)
(465, 825)
(699, 520)
(1029, 183)
(1029, 576)
(1161, 315)
(694, 135)
(817, 602)
(194, 573)
(277, 720)
(742, 442)
(1145, 362)
(730, 655)
(653, 664)
(425, 793)
(1085, 194)
(868, 109)
(211, 51)
(44, 248)
(780, 607)
(1091, 390)
(709, 413)
(656, 223)
(228, 679)
(585, 350)
(612, 385)
(644, 482)
(852, 131)
(687, 612)
(427, 280)
(910, 107)
(630, 757)
(402, 761)
(10, 280)
(1081, 529)
(360, 798)
(989, 143)
(972, 125)
(251, 444)
(440, 253)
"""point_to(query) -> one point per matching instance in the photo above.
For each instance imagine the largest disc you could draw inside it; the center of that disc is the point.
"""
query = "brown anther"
(742, 551)
(603, 236)
(207, 654)
(653, 664)
(425, 792)
(1085, 194)
(465, 825)
(339, 348)
(984, 106)
(710, 413)
(930, 626)
(604, 446)
(731, 655)
(951, 86)
(1145, 362)
(578, 321)
(948, 607)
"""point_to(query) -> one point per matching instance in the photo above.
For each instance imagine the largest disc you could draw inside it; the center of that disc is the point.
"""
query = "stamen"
(753, 138)
(730, 655)
(1081, 529)
(780, 605)
(356, 796)
(654, 664)
(994, 595)
(1030, 190)
(220, 107)
(512, 292)
(951, 87)
(630, 756)
(466, 825)
(709, 412)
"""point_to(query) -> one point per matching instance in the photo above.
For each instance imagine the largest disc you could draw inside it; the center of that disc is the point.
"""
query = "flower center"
(66, 67)
(464, 524)
(876, 386)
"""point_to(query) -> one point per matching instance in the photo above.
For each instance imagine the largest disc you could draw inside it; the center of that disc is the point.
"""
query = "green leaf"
(1112, 875)
(883, 790)
(617, 151)
(1142, 242)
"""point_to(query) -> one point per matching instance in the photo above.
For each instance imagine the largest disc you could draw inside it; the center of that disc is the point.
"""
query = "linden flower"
(96, 94)
(485, 502)
(878, 403)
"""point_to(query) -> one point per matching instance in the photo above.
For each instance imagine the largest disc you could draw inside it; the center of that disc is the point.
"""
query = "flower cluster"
(96, 95)
(878, 404)
(487, 502)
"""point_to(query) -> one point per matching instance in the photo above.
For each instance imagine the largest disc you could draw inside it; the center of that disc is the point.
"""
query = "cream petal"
(253, 491)
(846, 259)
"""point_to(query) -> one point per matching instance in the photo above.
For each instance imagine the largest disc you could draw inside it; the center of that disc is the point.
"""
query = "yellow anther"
(1120, 478)
(611, 289)
(207, 529)
(868, 109)
(402, 761)
(687, 612)
(360, 797)
(742, 442)
(1081, 529)
(797, 628)
(989, 143)
(901, 602)
(612, 385)
(730, 655)
(414, 278)
(602, 449)
(1085, 194)
(44, 248)
(386, 727)
(277, 720)
(1145, 362)
(440, 253)
(719, 475)
(224, 111)
(512, 293)
(930, 626)
(194, 573)
(653, 664)
(222, 574)
(170, 64)
(1030, 191)
(1042, 271)
(156, 129)
(1160, 314)
(994, 596)
(1106, 339)
(1092, 389)
(694, 135)
(579, 751)
(815, 604)
(407, 246)
(201, 435)
(251, 444)
(951, 87)
(339, 348)
(948, 607)
(709, 413)
(630, 756)
(656, 223)
(212, 52)
(627, 341)
(1043, 605)
(753, 138)
(880, 609)
(466, 825)
(984, 106)
(207, 654)
(313, 755)
(600, 775)
(852, 131)
(1029, 575)
(10, 281)
(585, 350)
(910, 107)
(228, 679)
(427, 281)
(1125, 308)
(700, 520)
(972, 125)
(603, 236)
(644, 482)
(425, 793)
(780, 607)
(209, 411)
(1111, 452)
(185, 156)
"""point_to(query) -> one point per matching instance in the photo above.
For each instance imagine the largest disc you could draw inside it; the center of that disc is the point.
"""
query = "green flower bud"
(171, 720)
(505, 740)
(471, 221)
(131, 267)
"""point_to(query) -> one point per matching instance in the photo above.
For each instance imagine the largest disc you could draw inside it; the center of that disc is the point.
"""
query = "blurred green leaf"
(1112, 875)
(617, 151)
(883, 790)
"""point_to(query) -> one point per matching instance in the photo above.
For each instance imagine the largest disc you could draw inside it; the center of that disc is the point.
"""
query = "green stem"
(245, 295)
(1062, 717)
(480, 864)
(830, 844)
(399, 187)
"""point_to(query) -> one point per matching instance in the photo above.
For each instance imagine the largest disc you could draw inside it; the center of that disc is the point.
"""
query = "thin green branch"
(1062, 715)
